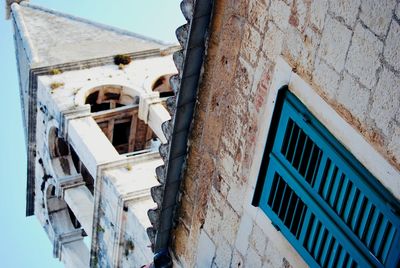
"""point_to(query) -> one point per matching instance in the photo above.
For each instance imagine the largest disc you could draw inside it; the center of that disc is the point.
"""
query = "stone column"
(90, 143)
(75, 254)
(80, 201)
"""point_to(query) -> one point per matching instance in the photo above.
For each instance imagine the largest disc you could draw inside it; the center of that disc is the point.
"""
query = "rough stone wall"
(349, 51)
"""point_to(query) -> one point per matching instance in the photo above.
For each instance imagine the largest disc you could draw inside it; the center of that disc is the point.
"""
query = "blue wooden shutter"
(329, 207)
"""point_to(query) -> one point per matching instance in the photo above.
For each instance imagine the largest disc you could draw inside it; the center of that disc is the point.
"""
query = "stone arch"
(61, 222)
(61, 163)
(162, 85)
(128, 94)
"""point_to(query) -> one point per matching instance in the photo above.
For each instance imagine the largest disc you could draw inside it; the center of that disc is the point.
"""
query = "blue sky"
(23, 243)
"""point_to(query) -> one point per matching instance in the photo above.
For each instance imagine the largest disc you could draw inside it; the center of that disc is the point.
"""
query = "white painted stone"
(80, 200)
(75, 255)
(158, 115)
(334, 43)
(386, 100)
(392, 46)
(326, 78)
(347, 10)
(363, 58)
(377, 14)
(90, 143)
(353, 97)
(205, 251)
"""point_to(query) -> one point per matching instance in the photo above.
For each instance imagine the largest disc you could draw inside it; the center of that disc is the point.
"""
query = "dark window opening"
(73, 218)
(163, 86)
(121, 135)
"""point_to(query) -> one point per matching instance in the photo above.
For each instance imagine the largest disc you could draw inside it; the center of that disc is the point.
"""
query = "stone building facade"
(93, 101)
(340, 58)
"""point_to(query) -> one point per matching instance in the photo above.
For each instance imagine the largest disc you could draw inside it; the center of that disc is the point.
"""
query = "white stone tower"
(93, 101)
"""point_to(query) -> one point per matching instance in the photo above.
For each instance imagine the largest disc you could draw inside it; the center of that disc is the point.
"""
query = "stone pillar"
(90, 143)
(75, 254)
(158, 115)
(80, 201)
(153, 113)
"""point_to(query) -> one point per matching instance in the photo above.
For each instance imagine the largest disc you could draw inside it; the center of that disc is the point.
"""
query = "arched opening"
(163, 86)
(59, 152)
(116, 113)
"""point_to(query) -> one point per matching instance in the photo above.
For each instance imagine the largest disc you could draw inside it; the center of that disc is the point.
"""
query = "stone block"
(237, 259)
(392, 46)
(279, 13)
(346, 10)
(377, 14)
(299, 14)
(205, 251)
(230, 223)
(243, 234)
(318, 12)
(273, 258)
(236, 189)
(334, 43)
(353, 96)
(258, 240)
(272, 45)
(326, 77)
(212, 221)
(251, 44)
(244, 77)
(386, 100)
(363, 57)
(252, 259)
(258, 14)
(223, 255)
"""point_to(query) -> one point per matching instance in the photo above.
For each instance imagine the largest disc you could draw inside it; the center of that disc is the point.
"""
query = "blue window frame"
(329, 207)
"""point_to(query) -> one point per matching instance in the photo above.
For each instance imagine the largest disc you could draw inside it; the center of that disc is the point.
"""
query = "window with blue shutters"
(327, 205)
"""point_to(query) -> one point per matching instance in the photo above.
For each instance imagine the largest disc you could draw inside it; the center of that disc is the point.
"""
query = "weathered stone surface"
(334, 43)
(257, 14)
(353, 96)
(392, 46)
(206, 251)
(363, 60)
(377, 14)
(223, 255)
(258, 240)
(243, 234)
(326, 78)
(251, 44)
(272, 45)
(386, 100)
(397, 12)
(253, 259)
(394, 144)
(318, 13)
(346, 10)
(280, 13)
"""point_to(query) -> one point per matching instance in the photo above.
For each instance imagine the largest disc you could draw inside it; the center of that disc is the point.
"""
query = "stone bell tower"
(93, 101)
